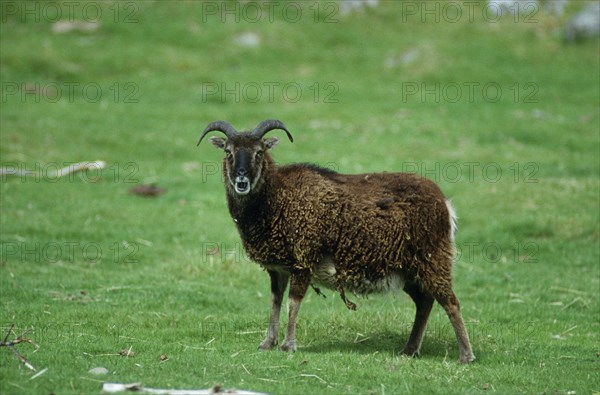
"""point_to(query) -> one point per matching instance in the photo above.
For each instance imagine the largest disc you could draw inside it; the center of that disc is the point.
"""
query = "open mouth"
(241, 185)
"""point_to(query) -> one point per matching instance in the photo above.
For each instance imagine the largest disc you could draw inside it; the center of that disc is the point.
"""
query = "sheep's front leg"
(279, 281)
(298, 285)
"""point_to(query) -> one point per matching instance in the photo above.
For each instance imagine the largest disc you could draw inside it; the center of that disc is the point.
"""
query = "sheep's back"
(379, 218)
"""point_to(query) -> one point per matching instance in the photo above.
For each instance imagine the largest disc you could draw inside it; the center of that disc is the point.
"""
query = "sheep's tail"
(453, 221)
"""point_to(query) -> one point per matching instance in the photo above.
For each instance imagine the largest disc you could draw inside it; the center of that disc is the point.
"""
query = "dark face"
(244, 161)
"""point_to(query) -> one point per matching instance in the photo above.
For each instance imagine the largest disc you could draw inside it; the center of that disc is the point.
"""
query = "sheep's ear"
(271, 142)
(218, 142)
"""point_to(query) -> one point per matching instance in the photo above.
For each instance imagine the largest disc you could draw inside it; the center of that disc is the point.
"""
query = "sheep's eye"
(258, 154)
(227, 153)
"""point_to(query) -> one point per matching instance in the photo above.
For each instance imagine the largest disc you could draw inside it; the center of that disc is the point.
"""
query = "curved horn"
(268, 125)
(221, 126)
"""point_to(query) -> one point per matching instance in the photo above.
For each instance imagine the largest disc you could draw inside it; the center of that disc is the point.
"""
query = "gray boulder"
(585, 24)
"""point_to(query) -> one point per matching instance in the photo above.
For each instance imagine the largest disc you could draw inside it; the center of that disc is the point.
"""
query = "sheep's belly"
(325, 275)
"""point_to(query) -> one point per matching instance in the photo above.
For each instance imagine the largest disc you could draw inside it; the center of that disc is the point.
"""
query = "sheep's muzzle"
(241, 185)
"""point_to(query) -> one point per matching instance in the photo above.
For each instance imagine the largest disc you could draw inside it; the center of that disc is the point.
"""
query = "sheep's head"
(246, 153)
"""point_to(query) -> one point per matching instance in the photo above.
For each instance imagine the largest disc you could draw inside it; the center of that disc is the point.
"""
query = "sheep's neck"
(251, 212)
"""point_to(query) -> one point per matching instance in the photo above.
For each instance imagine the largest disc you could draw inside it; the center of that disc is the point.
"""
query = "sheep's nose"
(242, 172)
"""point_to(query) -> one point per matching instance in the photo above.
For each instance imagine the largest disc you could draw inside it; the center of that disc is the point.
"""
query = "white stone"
(98, 371)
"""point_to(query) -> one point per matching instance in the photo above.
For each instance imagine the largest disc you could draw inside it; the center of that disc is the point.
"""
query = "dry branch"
(19, 339)
(113, 388)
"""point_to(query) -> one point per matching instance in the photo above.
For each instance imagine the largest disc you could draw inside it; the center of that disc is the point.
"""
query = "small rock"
(69, 26)
(405, 58)
(98, 371)
(409, 56)
(248, 39)
(585, 24)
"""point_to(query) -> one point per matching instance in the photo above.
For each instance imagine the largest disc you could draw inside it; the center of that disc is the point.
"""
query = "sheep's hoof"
(288, 346)
(467, 358)
(267, 344)
(411, 352)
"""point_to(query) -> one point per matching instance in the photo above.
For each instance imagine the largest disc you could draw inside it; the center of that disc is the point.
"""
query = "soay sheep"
(363, 233)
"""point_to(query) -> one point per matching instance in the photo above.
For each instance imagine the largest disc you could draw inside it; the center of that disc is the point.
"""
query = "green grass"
(95, 270)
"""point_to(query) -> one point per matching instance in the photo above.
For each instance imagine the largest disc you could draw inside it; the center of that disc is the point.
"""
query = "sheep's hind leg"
(450, 303)
(279, 281)
(298, 285)
(424, 303)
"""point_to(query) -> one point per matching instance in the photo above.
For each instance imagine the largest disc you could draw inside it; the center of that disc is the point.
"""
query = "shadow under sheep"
(386, 342)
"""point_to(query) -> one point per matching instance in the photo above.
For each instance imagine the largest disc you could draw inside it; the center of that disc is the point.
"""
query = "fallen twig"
(38, 374)
(113, 388)
(314, 376)
(19, 339)
(575, 291)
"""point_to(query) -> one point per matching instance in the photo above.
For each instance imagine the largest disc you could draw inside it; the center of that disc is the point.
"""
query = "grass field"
(501, 113)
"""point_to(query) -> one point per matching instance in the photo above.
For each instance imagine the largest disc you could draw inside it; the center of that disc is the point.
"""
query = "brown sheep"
(360, 233)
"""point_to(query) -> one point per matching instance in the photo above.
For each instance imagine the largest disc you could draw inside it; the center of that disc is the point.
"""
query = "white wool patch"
(453, 219)
(325, 275)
